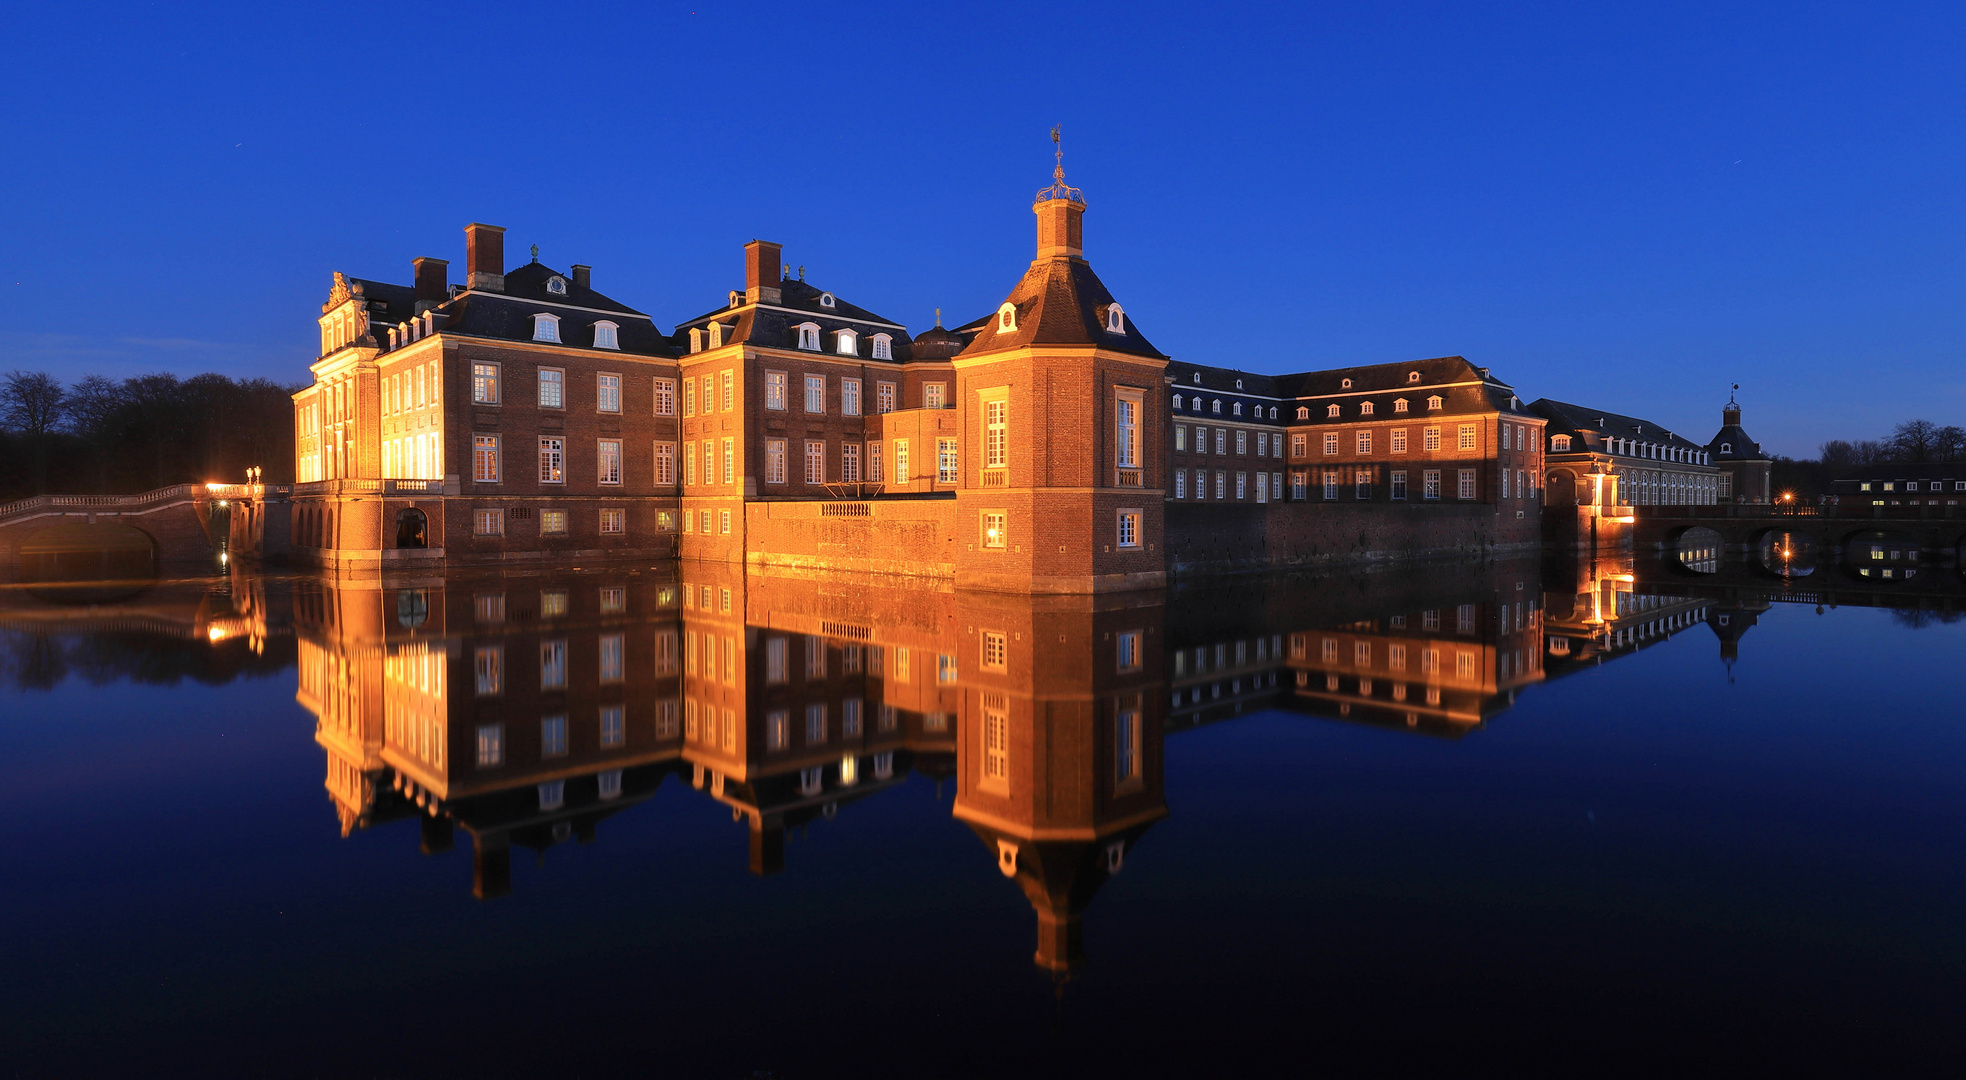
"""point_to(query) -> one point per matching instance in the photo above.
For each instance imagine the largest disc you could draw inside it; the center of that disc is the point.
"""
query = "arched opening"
(1788, 553)
(1561, 490)
(106, 551)
(412, 529)
(1697, 549)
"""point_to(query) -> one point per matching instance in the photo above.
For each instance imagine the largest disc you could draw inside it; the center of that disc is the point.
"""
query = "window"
(1242, 441)
(1362, 487)
(932, 394)
(1236, 409)
(1467, 440)
(553, 522)
(1559, 444)
(1115, 319)
(1007, 318)
(1129, 527)
(1263, 444)
(689, 397)
(996, 741)
(775, 390)
(488, 523)
(614, 521)
(689, 463)
(1330, 484)
(552, 388)
(996, 433)
(874, 473)
(1299, 445)
(491, 745)
(1177, 401)
(1726, 448)
(815, 724)
(995, 532)
(613, 730)
(815, 461)
(774, 461)
(846, 343)
(1434, 402)
(1399, 405)
(1398, 439)
(1221, 484)
(901, 473)
(552, 665)
(1180, 483)
(1242, 485)
(1333, 411)
(484, 459)
(1467, 484)
(1330, 442)
(1430, 484)
(883, 347)
(1127, 650)
(665, 464)
(546, 328)
(815, 393)
(484, 384)
(1430, 439)
(552, 461)
(1181, 436)
(730, 459)
(850, 463)
(604, 337)
(1399, 485)
(552, 736)
(608, 456)
(1221, 440)
(710, 395)
(1127, 417)
(809, 336)
(849, 397)
(1365, 408)
(884, 397)
(1365, 442)
(945, 460)
(1303, 412)
(825, 299)
(995, 650)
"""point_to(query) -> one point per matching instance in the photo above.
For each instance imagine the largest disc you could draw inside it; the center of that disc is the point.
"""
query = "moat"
(1548, 815)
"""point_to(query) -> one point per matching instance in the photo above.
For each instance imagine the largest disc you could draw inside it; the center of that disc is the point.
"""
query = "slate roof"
(768, 326)
(508, 315)
(1593, 426)
(1059, 301)
(1744, 448)
(388, 304)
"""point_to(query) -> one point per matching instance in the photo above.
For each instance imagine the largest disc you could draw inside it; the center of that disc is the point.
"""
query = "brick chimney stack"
(761, 272)
(433, 282)
(582, 275)
(484, 255)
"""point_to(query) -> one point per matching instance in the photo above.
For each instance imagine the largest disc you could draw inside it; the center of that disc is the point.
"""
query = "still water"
(1552, 817)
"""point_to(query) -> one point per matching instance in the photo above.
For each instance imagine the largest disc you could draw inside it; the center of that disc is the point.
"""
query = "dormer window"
(1216, 407)
(1273, 412)
(1303, 412)
(1333, 410)
(1434, 402)
(1726, 448)
(1238, 384)
(1412, 376)
(1365, 408)
(1559, 444)
(847, 343)
(883, 347)
(1197, 377)
(1177, 401)
(1007, 318)
(556, 285)
(1236, 408)
(546, 328)
(809, 336)
(604, 337)
(1346, 385)
(1399, 405)
(825, 299)
(1115, 319)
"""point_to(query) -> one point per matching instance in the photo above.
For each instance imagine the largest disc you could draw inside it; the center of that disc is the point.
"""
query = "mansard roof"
(1596, 425)
(775, 325)
(387, 304)
(1059, 301)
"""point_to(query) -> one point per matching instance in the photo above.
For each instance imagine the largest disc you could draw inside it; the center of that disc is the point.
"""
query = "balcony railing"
(1129, 478)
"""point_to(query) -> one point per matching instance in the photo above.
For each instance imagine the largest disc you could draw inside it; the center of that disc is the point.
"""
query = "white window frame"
(556, 378)
(808, 336)
(607, 336)
(883, 347)
(607, 392)
(546, 328)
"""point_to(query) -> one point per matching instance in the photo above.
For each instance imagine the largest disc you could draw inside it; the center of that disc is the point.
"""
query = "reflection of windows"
(552, 736)
(851, 711)
(775, 660)
(778, 730)
(815, 724)
(945, 668)
(1126, 743)
(552, 794)
(610, 784)
(552, 603)
(613, 726)
(552, 665)
(996, 741)
(489, 663)
(611, 658)
(491, 745)
(1128, 651)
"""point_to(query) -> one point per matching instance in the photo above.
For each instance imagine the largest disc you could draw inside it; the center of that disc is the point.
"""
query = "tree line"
(98, 436)
(1913, 440)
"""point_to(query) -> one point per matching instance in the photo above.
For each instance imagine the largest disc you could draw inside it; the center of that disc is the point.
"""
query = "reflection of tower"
(1059, 749)
(1730, 624)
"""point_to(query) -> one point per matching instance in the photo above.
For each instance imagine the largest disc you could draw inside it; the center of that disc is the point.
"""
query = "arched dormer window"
(1434, 402)
(604, 335)
(825, 299)
(1216, 407)
(1559, 444)
(546, 328)
(1726, 448)
(556, 285)
(1238, 384)
(1177, 401)
(1198, 376)
(883, 347)
(1303, 412)
(1236, 409)
(809, 336)
(1333, 410)
(1412, 376)
(1273, 412)
(1365, 408)
(1007, 318)
(846, 343)
(1399, 405)
(1115, 319)
(1346, 385)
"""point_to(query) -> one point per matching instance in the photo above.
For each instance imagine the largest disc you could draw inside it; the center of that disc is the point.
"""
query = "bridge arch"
(77, 550)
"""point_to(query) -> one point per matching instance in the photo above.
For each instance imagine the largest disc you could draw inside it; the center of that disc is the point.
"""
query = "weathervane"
(1059, 189)
(535, 253)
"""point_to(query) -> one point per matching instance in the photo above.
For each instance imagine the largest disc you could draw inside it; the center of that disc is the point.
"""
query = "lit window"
(995, 532)
(815, 393)
(846, 343)
(491, 745)
(1128, 433)
(552, 388)
(932, 394)
(553, 522)
(552, 461)
(1559, 444)
(546, 328)
(1333, 410)
(1129, 528)
(484, 384)
(996, 433)
(1365, 408)
(604, 337)
(775, 390)
(484, 459)
(607, 393)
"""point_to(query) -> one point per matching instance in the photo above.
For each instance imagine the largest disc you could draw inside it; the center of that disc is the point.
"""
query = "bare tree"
(31, 401)
(1949, 443)
(1912, 440)
(1837, 454)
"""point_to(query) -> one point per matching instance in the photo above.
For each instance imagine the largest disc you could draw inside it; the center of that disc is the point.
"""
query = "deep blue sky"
(1628, 208)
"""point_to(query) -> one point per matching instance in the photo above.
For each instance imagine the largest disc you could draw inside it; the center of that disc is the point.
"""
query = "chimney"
(761, 272)
(432, 282)
(484, 255)
(582, 275)
(1061, 232)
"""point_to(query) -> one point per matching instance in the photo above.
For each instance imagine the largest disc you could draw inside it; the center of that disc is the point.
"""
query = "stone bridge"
(109, 535)
(1927, 535)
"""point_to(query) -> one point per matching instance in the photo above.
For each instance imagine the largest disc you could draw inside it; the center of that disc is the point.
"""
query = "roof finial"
(938, 317)
(535, 253)
(1058, 146)
(802, 273)
(1059, 189)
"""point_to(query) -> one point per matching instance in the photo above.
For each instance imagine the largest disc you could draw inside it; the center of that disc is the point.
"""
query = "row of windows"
(777, 397)
(551, 389)
(1267, 444)
(547, 328)
(845, 342)
(853, 468)
(612, 521)
(489, 673)
(1215, 406)
(1911, 485)
(1363, 481)
(993, 529)
(410, 389)
(1267, 484)
(554, 603)
(1467, 438)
